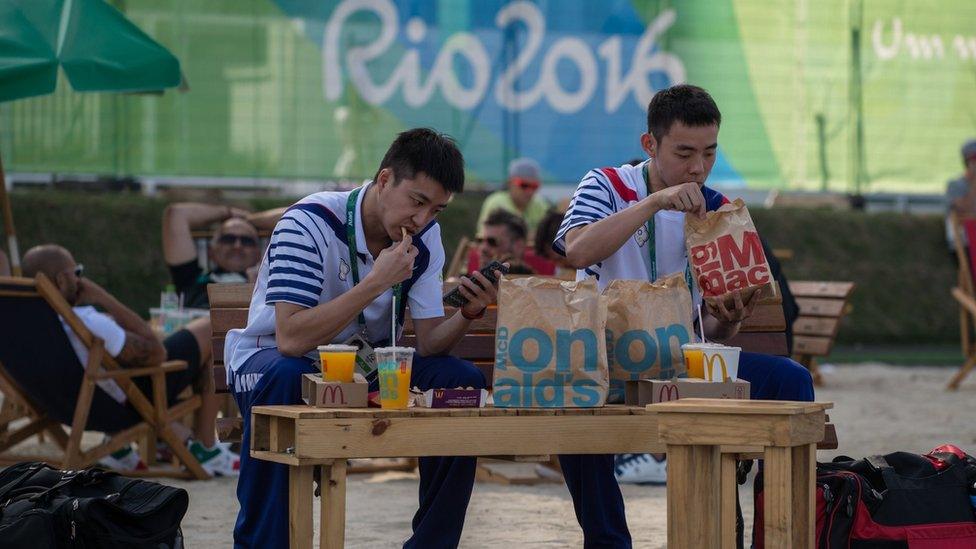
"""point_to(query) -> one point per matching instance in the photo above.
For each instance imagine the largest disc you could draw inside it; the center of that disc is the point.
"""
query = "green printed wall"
(842, 95)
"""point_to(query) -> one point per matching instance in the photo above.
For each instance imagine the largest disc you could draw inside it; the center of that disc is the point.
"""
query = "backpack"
(43, 507)
(899, 500)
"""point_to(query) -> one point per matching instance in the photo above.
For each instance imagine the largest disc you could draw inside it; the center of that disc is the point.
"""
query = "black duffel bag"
(43, 507)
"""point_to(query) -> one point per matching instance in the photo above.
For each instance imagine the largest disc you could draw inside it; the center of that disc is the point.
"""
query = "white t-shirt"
(606, 191)
(307, 263)
(105, 327)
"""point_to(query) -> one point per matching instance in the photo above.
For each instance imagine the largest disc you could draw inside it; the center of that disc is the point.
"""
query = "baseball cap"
(524, 168)
(969, 149)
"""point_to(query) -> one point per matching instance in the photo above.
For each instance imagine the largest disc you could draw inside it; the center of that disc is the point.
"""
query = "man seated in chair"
(336, 265)
(130, 340)
(234, 249)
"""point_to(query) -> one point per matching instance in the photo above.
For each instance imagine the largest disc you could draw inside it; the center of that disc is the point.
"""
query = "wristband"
(473, 317)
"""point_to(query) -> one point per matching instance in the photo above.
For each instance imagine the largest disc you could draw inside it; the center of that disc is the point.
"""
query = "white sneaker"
(124, 459)
(218, 461)
(640, 469)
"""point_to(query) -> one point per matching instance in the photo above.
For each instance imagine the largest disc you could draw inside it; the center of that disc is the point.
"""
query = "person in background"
(130, 340)
(521, 197)
(961, 192)
(234, 248)
(545, 235)
(502, 238)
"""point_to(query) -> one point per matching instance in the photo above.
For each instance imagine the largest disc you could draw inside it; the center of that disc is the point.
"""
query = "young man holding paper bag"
(629, 223)
(338, 265)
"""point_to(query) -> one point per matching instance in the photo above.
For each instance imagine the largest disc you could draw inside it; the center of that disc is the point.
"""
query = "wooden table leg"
(332, 518)
(300, 506)
(694, 480)
(804, 495)
(729, 491)
(778, 496)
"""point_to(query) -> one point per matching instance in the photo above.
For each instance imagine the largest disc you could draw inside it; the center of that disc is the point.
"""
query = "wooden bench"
(702, 438)
(822, 306)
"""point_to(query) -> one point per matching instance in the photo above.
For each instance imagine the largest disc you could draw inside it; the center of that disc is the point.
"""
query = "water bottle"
(169, 305)
(168, 299)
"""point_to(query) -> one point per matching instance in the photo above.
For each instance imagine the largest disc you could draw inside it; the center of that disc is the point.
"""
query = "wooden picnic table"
(703, 439)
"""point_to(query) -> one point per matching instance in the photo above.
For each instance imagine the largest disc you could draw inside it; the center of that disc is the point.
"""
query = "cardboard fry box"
(451, 398)
(642, 392)
(334, 394)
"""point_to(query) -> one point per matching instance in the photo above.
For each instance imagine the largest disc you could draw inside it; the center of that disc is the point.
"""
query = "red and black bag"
(897, 500)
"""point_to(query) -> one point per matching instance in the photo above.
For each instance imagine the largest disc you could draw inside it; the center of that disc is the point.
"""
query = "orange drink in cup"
(338, 362)
(393, 365)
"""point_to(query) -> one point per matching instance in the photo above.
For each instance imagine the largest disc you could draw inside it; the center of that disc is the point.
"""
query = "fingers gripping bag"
(647, 323)
(726, 254)
(550, 348)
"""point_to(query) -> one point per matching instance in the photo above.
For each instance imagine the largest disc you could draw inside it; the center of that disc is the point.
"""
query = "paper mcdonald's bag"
(550, 349)
(646, 325)
(726, 254)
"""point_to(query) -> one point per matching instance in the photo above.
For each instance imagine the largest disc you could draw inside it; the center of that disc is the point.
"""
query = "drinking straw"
(393, 304)
(701, 324)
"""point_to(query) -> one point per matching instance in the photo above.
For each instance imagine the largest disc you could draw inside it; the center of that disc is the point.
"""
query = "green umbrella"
(96, 47)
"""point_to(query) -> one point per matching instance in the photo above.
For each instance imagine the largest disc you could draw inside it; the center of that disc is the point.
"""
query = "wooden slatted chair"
(40, 375)
(964, 295)
(822, 307)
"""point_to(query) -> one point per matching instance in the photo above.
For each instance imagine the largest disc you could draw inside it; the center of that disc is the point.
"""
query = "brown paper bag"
(646, 325)
(726, 254)
(550, 349)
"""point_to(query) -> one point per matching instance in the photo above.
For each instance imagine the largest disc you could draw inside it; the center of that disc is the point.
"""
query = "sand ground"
(878, 409)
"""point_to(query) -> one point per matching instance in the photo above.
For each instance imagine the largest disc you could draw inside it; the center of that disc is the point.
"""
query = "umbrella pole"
(8, 223)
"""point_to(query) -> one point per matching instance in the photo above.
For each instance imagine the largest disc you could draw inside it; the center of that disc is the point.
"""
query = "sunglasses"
(526, 184)
(232, 239)
(489, 240)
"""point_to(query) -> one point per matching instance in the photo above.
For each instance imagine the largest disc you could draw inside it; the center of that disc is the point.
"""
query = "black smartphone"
(454, 297)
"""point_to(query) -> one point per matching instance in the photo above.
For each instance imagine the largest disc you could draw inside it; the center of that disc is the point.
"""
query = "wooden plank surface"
(300, 507)
(778, 498)
(820, 307)
(332, 514)
(809, 288)
(765, 318)
(230, 295)
(694, 497)
(732, 429)
(733, 406)
(767, 343)
(514, 435)
(224, 319)
(810, 345)
(816, 326)
(301, 411)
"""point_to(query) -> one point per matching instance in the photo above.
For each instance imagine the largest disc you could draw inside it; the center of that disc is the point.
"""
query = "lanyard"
(652, 242)
(354, 257)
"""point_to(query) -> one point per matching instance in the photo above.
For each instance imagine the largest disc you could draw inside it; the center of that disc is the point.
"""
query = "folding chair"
(963, 231)
(43, 380)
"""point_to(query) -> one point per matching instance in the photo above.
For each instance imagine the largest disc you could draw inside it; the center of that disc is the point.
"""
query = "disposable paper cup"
(694, 362)
(338, 362)
(393, 365)
(720, 362)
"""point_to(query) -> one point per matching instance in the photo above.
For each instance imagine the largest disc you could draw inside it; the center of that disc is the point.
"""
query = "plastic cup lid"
(394, 349)
(338, 348)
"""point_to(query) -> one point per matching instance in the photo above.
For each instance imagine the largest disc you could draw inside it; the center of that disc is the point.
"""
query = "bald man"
(233, 249)
(130, 340)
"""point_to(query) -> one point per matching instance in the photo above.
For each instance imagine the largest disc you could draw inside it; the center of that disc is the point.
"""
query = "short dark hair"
(425, 150)
(689, 104)
(546, 231)
(513, 223)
